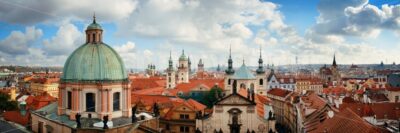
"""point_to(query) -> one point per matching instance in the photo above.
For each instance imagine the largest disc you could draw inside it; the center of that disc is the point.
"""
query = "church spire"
(170, 64)
(94, 17)
(230, 62)
(260, 68)
(334, 60)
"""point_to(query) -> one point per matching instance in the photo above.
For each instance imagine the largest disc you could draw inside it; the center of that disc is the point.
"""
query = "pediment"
(235, 99)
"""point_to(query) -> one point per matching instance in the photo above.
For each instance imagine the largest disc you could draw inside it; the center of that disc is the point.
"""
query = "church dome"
(94, 61)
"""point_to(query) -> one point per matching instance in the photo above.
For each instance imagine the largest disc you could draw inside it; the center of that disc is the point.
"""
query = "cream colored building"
(49, 85)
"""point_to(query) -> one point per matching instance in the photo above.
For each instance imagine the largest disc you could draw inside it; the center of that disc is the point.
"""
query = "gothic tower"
(200, 66)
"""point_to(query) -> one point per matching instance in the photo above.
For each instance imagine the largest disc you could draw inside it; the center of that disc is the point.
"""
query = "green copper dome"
(94, 62)
(94, 25)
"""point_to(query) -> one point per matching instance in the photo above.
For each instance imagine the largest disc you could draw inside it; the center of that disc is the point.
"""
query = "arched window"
(229, 81)
(90, 102)
(116, 101)
(261, 81)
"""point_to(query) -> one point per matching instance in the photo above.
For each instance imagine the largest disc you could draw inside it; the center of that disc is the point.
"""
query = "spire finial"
(170, 54)
(94, 17)
(230, 50)
(243, 60)
(183, 51)
(260, 51)
(334, 59)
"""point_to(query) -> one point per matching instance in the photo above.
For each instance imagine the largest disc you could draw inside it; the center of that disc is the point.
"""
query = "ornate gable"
(235, 99)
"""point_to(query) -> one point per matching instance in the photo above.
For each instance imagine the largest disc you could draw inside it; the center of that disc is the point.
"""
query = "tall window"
(90, 102)
(261, 82)
(94, 37)
(69, 100)
(116, 101)
(229, 81)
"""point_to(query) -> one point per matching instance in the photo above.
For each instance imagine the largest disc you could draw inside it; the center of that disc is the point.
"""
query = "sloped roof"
(346, 121)
(243, 73)
(279, 92)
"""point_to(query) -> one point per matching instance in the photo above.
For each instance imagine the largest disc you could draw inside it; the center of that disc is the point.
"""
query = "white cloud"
(355, 18)
(67, 38)
(18, 42)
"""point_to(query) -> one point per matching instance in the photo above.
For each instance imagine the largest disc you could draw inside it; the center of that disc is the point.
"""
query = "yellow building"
(41, 85)
(302, 84)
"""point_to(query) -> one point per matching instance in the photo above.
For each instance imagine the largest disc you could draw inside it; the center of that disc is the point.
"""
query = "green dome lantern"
(183, 56)
(94, 61)
(94, 25)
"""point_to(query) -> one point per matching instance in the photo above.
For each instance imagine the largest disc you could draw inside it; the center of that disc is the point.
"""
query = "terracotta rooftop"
(17, 117)
(147, 83)
(279, 92)
(346, 121)
(381, 110)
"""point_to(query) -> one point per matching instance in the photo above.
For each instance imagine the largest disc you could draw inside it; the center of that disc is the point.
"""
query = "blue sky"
(143, 32)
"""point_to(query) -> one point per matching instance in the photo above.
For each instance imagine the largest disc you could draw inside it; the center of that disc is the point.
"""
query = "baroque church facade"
(235, 113)
(245, 78)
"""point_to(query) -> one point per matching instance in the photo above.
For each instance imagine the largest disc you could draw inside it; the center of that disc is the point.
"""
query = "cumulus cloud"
(18, 42)
(67, 38)
(202, 23)
(354, 18)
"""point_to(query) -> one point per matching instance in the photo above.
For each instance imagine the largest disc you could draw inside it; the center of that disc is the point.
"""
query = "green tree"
(6, 104)
(212, 96)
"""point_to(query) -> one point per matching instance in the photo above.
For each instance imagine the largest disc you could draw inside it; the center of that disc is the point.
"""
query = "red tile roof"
(40, 101)
(381, 110)
(279, 92)
(334, 90)
(147, 83)
(187, 87)
(346, 121)
(17, 117)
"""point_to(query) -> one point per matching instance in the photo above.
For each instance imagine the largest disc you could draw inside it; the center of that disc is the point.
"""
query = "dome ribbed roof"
(92, 63)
